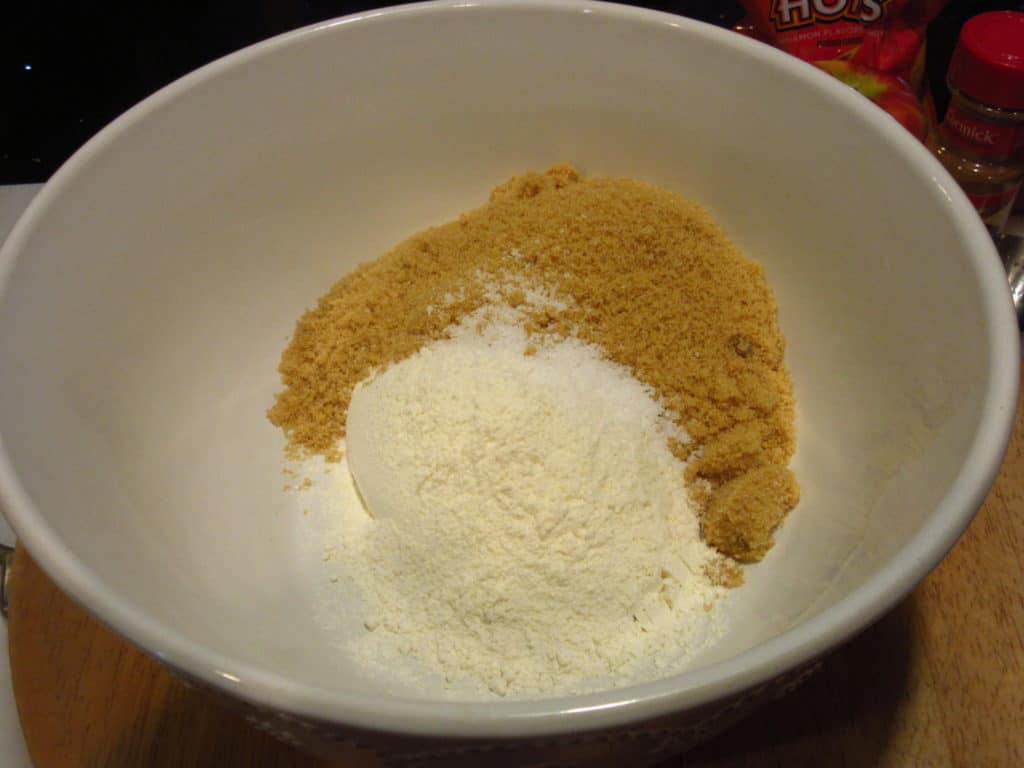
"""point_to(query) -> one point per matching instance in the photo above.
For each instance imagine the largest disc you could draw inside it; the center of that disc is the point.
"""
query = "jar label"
(994, 207)
(980, 137)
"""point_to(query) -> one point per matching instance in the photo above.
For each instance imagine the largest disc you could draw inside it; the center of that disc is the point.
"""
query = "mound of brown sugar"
(640, 271)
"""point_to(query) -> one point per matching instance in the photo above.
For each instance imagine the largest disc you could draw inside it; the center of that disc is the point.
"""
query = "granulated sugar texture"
(571, 419)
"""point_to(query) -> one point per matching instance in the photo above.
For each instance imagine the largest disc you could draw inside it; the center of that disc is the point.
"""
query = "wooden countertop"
(939, 681)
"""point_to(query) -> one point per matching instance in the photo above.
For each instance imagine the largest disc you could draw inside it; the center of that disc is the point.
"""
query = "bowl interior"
(158, 278)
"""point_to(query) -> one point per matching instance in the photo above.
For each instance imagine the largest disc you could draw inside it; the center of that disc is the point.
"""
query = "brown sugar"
(640, 271)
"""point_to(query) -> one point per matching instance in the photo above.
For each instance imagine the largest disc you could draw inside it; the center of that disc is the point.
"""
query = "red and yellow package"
(875, 46)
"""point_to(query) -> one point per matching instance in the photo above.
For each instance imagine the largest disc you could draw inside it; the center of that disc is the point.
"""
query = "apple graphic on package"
(891, 93)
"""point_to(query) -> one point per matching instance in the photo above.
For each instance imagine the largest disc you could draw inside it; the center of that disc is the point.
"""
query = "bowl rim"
(617, 707)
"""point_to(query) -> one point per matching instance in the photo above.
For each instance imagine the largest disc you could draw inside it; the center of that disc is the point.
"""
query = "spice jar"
(981, 138)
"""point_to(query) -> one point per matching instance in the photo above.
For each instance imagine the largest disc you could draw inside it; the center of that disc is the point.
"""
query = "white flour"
(539, 537)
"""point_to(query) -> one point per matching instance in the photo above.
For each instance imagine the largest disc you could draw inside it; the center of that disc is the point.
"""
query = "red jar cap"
(988, 63)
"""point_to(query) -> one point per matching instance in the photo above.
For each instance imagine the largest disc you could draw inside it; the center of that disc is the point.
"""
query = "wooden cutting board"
(937, 682)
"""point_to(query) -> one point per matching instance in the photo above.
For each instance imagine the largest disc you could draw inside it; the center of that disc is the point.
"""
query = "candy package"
(874, 46)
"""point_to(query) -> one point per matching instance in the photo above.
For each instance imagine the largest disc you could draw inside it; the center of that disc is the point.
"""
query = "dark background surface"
(68, 69)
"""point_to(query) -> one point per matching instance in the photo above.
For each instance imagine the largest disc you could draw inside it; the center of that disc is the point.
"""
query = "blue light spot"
(28, 67)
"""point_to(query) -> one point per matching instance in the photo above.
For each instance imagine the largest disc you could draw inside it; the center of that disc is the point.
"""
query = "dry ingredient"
(981, 138)
(532, 533)
(641, 273)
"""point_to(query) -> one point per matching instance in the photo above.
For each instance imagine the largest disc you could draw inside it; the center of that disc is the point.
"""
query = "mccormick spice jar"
(981, 138)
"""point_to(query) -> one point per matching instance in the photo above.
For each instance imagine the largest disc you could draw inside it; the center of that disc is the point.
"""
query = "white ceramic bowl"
(151, 286)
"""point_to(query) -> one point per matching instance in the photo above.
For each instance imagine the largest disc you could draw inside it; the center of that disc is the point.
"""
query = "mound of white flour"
(538, 536)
